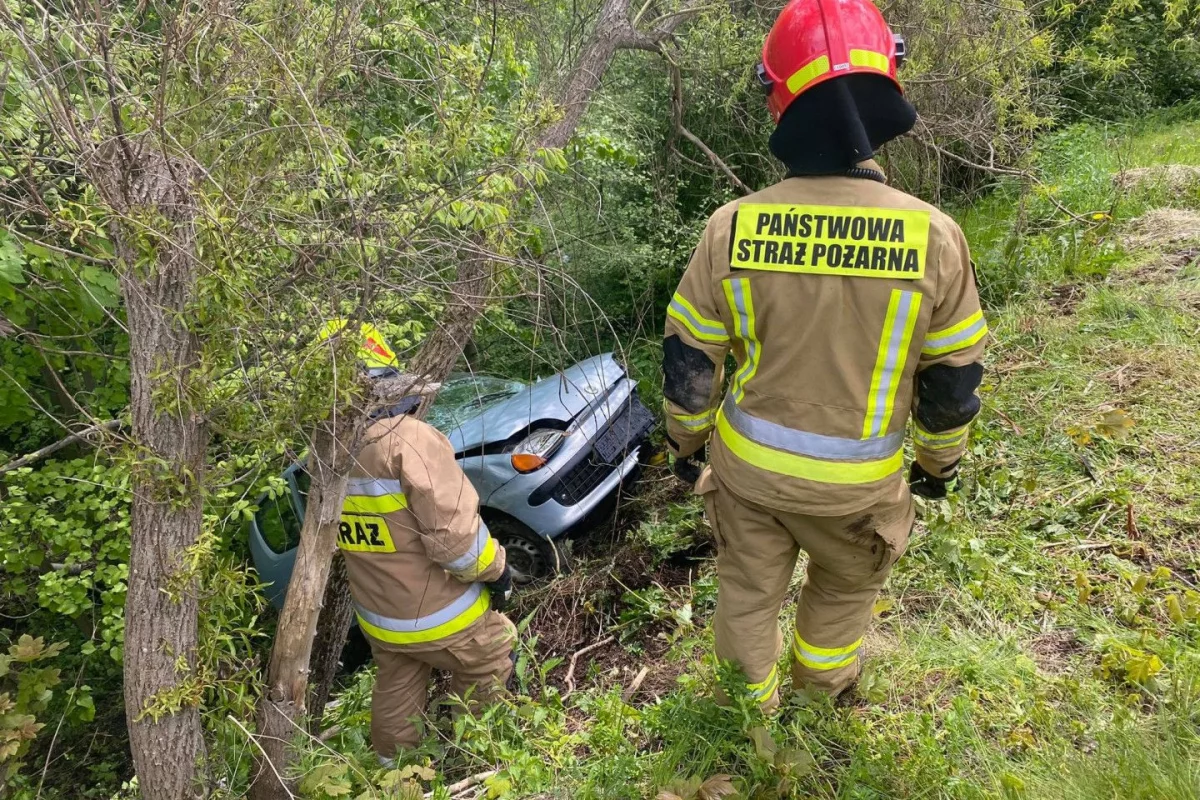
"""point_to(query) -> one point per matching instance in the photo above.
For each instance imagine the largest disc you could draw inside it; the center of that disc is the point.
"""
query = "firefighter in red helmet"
(850, 309)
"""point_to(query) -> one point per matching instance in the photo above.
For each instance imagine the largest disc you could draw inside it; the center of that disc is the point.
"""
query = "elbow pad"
(687, 375)
(947, 397)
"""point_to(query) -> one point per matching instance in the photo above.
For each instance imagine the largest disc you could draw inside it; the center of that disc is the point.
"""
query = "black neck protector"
(838, 124)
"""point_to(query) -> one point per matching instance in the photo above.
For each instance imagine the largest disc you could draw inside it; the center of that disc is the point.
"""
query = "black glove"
(500, 589)
(931, 486)
(687, 469)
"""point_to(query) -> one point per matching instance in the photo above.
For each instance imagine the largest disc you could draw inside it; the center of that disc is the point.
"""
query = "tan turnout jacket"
(832, 293)
(416, 550)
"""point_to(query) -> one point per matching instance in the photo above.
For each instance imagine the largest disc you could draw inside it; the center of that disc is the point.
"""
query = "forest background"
(189, 191)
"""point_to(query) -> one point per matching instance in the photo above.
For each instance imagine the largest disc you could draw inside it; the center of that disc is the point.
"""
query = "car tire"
(532, 558)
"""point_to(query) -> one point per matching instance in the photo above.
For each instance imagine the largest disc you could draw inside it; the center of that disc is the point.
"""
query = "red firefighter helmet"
(813, 41)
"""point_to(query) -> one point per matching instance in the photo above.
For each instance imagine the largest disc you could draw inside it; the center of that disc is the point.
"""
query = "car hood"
(561, 398)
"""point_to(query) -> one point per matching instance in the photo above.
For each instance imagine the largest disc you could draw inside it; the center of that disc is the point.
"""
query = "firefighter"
(428, 580)
(849, 306)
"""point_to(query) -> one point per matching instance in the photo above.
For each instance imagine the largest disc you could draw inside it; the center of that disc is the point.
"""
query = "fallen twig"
(467, 783)
(628, 694)
(1087, 468)
(1016, 428)
(1100, 521)
(1079, 546)
(1131, 528)
(570, 679)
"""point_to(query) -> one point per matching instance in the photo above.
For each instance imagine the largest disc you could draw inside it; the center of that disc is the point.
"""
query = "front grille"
(581, 481)
(621, 436)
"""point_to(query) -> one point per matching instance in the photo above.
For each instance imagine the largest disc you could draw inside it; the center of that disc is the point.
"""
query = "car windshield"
(465, 396)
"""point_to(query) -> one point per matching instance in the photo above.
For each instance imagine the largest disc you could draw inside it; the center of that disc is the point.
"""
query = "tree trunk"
(165, 518)
(468, 296)
(282, 710)
(337, 614)
(612, 27)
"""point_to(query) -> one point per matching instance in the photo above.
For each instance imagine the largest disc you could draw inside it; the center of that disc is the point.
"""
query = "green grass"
(1043, 634)
(1022, 238)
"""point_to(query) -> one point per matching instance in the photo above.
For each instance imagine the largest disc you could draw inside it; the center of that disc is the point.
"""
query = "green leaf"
(764, 744)
(795, 762)
(12, 261)
(102, 285)
(715, 788)
(326, 780)
(1140, 669)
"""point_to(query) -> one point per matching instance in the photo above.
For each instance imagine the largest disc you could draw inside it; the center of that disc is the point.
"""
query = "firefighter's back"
(387, 543)
(826, 287)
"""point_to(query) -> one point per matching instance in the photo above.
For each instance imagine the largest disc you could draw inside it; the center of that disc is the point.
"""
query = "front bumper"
(556, 498)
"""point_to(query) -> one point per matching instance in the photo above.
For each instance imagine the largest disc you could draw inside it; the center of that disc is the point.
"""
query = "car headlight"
(532, 452)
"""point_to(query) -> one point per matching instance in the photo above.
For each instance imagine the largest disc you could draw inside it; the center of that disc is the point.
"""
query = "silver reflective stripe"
(945, 343)
(471, 558)
(435, 619)
(739, 288)
(695, 422)
(897, 344)
(815, 445)
(373, 487)
(700, 325)
(816, 659)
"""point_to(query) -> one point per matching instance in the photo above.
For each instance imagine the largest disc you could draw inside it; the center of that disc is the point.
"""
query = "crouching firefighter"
(427, 579)
(848, 306)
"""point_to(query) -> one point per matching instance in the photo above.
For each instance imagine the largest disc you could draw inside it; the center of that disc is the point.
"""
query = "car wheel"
(531, 558)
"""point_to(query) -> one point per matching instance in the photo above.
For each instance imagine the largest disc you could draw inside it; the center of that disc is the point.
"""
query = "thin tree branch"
(715, 159)
(66, 441)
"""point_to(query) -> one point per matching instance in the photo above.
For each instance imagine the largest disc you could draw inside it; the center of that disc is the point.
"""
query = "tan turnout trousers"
(849, 556)
(479, 660)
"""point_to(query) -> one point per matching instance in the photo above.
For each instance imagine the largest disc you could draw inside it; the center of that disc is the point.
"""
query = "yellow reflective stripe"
(958, 337)
(765, 689)
(807, 74)
(904, 308)
(939, 441)
(693, 422)
(471, 614)
(741, 306)
(960, 326)
(910, 324)
(687, 304)
(812, 469)
(364, 504)
(700, 326)
(823, 658)
(881, 356)
(485, 560)
(476, 560)
(869, 58)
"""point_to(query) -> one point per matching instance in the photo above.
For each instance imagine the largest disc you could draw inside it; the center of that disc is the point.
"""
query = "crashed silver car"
(546, 460)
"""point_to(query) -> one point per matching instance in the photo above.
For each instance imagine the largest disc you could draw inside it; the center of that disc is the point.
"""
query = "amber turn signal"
(527, 462)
